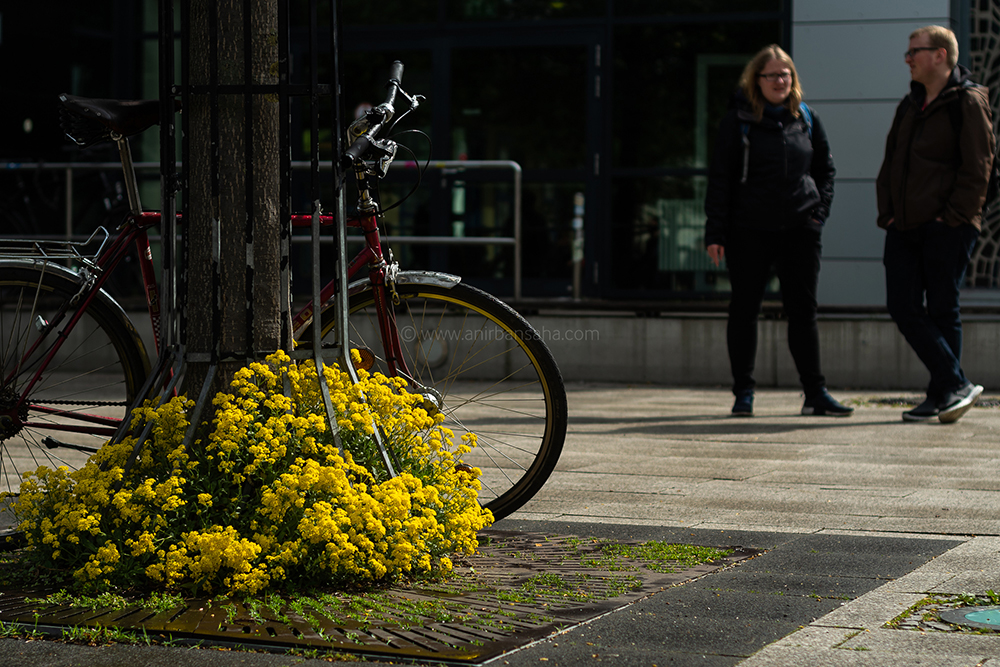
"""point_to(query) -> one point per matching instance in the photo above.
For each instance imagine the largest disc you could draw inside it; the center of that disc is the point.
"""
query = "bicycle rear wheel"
(495, 377)
(85, 389)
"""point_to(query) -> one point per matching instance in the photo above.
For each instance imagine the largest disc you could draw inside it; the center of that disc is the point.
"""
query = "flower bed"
(265, 496)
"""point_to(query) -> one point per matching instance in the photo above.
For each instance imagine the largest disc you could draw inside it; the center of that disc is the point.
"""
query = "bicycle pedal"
(366, 360)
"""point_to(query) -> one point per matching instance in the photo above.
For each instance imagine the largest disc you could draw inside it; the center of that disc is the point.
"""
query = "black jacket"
(789, 177)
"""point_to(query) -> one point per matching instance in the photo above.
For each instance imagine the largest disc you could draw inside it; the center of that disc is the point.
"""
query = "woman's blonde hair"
(749, 81)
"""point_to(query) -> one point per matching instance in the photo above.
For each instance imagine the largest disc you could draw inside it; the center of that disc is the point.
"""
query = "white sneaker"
(957, 403)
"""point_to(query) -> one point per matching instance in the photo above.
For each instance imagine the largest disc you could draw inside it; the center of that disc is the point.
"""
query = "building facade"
(619, 100)
(612, 101)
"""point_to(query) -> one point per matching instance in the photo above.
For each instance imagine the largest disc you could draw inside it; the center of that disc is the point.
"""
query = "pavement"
(858, 518)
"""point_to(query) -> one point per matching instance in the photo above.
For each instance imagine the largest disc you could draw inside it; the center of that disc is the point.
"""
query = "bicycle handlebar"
(360, 146)
(367, 128)
(395, 78)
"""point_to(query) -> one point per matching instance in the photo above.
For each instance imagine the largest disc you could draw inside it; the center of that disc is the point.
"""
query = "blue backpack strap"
(745, 131)
(808, 118)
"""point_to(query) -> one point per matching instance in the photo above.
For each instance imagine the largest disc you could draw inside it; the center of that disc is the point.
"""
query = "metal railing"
(445, 166)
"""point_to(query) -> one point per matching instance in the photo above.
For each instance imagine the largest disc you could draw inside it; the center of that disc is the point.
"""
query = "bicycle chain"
(96, 404)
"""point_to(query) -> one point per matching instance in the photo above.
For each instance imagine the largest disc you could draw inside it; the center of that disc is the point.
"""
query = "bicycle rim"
(494, 376)
(81, 394)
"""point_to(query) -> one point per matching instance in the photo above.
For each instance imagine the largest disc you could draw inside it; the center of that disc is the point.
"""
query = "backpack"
(745, 131)
(955, 113)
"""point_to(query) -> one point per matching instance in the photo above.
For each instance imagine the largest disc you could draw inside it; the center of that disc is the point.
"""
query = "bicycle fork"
(381, 275)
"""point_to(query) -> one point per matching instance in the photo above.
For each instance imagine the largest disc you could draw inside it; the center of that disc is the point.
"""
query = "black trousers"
(752, 257)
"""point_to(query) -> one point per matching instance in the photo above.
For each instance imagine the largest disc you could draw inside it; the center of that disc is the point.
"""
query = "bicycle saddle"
(87, 121)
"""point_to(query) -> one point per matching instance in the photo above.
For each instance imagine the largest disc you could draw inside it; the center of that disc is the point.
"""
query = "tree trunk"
(239, 316)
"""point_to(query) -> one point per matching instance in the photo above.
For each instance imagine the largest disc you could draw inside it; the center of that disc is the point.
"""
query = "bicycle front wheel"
(82, 394)
(493, 377)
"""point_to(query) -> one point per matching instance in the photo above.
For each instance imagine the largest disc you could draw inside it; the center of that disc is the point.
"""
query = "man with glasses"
(931, 191)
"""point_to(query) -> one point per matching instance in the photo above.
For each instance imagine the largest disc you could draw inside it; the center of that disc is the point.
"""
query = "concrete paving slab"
(918, 582)
(871, 611)
(777, 656)
(925, 643)
(972, 583)
(817, 637)
(845, 508)
(807, 585)
(869, 475)
(867, 472)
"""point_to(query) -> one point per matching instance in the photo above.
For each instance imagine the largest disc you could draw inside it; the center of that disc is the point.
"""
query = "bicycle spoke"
(84, 388)
(493, 377)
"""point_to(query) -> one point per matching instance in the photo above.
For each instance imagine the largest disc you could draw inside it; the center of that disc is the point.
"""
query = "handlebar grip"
(396, 71)
(395, 75)
(357, 149)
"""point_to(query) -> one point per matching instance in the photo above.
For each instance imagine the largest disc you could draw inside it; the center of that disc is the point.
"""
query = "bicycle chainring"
(11, 422)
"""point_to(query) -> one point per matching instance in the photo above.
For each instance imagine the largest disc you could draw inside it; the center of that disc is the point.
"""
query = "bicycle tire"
(99, 370)
(495, 376)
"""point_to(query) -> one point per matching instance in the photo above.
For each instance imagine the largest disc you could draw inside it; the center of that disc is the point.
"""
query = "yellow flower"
(276, 496)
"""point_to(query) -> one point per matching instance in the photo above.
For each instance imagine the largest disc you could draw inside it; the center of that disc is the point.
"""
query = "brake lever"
(414, 101)
(373, 117)
(387, 148)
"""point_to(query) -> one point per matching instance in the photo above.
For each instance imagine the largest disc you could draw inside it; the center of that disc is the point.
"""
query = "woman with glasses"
(769, 191)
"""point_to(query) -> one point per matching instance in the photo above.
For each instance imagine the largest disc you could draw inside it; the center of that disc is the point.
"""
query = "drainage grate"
(518, 588)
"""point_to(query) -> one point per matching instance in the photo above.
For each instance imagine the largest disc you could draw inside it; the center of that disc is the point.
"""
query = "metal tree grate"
(518, 588)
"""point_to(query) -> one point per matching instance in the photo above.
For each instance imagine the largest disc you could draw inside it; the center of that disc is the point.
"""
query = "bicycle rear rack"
(55, 249)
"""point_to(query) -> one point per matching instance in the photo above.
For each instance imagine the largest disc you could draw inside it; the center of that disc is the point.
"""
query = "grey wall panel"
(851, 232)
(857, 282)
(857, 132)
(853, 61)
(931, 11)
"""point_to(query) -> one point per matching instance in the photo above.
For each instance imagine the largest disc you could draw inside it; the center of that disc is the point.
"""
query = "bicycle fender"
(40, 266)
(435, 278)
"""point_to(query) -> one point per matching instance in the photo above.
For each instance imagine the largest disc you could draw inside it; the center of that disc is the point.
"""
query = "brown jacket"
(937, 162)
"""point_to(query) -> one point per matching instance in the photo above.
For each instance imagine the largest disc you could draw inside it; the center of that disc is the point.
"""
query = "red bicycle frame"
(133, 231)
(370, 256)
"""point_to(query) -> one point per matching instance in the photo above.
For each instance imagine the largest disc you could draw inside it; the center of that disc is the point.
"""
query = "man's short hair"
(942, 38)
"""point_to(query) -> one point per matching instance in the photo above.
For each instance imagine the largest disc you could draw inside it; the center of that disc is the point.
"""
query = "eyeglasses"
(777, 76)
(912, 52)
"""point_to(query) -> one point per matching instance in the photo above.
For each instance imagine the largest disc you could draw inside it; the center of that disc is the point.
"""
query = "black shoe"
(823, 404)
(957, 403)
(926, 410)
(743, 407)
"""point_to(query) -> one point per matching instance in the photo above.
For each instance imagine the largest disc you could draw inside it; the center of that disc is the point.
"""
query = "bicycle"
(73, 361)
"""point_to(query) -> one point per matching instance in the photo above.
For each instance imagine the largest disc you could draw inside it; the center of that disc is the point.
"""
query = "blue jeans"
(927, 265)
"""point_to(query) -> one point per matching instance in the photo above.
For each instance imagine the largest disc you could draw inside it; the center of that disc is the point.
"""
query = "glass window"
(673, 84)
(365, 12)
(547, 233)
(481, 209)
(658, 232)
(482, 10)
(498, 112)
(679, 7)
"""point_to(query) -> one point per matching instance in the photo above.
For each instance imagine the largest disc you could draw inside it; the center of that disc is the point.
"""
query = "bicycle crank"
(11, 422)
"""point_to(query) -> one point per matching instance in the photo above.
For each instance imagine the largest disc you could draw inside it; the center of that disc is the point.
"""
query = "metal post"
(69, 203)
(577, 244)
